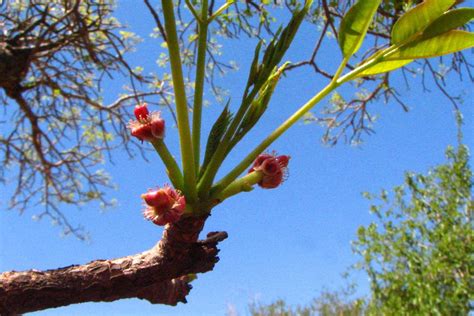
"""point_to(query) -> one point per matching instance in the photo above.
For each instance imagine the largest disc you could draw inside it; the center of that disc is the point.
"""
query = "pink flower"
(148, 126)
(164, 205)
(274, 169)
(141, 111)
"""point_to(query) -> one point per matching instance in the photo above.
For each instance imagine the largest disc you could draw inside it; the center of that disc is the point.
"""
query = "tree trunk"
(159, 275)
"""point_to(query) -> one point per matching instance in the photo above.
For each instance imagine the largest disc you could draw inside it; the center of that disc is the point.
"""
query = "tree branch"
(159, 275)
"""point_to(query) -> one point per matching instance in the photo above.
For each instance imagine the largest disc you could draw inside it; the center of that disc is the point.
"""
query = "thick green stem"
(174, 173)
(199, 85)
(181, 103)
(244, 184)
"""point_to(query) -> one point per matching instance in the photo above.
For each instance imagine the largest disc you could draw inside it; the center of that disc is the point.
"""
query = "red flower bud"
(270, 166)
(141, 112)
(148, 126)
(164, 206)
(260, 159)
(157, 126)
(283, 160)
(157, 198)
(274, 169)
(141, 131)
(271, 182)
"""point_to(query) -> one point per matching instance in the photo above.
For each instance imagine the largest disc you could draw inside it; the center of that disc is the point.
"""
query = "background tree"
(179, 247)
(418, 254)
(328, 303)
(57, 131)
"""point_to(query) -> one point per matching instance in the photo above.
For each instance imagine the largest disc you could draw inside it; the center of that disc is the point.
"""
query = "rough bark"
(159, 275)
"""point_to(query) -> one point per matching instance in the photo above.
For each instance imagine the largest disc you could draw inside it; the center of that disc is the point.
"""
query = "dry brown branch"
(160, 275)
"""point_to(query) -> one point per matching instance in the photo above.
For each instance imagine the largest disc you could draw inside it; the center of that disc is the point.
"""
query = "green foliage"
(355, 24)
(262, 79)
(216, 134)
(258, 106)
(423, 32)
(264, 76)
(418, 18)
(449, 21)
(276, 49)
(385, 66)
(419, 253)
(446, 43)
(328, 303)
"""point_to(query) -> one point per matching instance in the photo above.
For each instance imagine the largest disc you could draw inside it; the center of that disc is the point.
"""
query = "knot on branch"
(14, 65)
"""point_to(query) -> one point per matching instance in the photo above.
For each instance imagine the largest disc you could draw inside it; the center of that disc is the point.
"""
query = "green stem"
(341, 68)
(369, 63)
(181, 102)
(222, 184)
(218, 157)
(244, 184)
(199, 87)
(234, 173)
(172, 168)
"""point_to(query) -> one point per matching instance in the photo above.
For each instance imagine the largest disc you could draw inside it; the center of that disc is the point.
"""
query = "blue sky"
(287, 243)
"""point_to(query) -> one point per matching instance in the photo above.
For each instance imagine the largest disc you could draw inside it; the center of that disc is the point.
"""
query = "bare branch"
(160, 275)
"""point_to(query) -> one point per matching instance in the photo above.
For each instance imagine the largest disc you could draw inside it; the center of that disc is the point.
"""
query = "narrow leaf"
(281, 42)
(384, 66)
(216, 134)
(259, 105)
(254, 69)
(261, 72)
(355, 24)
(449, 21)
(446, 43)
(418, 18)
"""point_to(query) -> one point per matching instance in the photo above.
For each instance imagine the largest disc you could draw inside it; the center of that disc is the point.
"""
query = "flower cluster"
(164, 205)
(147, 126)
(274, 169)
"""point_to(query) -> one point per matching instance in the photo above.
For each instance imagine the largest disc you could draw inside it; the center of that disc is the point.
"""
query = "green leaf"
(355, 24)
(258, 106)
(280, 43)
(446, 43)
(384, 66)
(216, 134)
(449, 21)
(254, 68)
(418, 18)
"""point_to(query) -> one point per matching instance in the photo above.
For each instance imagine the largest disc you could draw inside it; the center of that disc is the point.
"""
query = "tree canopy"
(418, 253)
